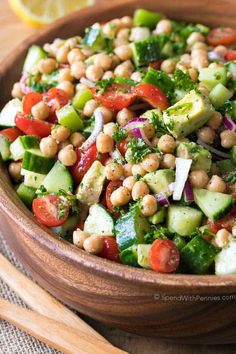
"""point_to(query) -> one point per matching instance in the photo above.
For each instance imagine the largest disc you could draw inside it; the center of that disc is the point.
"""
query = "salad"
(123, 142)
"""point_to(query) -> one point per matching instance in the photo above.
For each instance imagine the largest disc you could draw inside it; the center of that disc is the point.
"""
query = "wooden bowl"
(183, 308)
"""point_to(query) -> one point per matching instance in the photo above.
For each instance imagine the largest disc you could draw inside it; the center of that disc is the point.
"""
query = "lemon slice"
(39, 13)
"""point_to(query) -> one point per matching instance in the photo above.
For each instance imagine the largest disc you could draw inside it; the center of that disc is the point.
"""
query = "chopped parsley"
(157, 232)
(103, 85)
(119, 135)
(231, 177)
(183, 81)
(157, 122)
(71, 200)
(138, 150)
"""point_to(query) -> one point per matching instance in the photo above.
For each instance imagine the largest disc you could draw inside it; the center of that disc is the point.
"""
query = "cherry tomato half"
(164, 256)
(230, 55)
(116, 97)
(221, 36)
(56, 98)
(110, 249)
(11, 133)
(30, 100)
(152, 94)
(123, 146)
(50, 210)
(112, 186)
(85, 161)
(32, 127)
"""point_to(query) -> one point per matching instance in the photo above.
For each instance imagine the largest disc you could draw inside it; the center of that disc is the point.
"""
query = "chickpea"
(166, 144)
(124, 116)
(60, 133)
(122, 70)
(64, 75)
(186, 59)
(40, 111)
(79, 237)
(87, 52)
(68, 87)
(115, 61)
(222, 238)
(94, 72)
(108, 75)
(109, 29)
(148, 205)
(168, 66)
(103, 60)
(110, 128)
(104, 143)
(67, 155)
(93, 244)
(77, 69)
(138, 170)
(77, 139)
(129, 182)
(136, 76)
(148, 130)
(74, 55)
(14, 170)
(150, 163)
(119, 42)
(120, 196)
(124, 52)
(181, 140)
(113, 171)
(194, 38)
(200, 62)
(90, 107)
(216, 184)
(63, 144)
(140, 189)
(126, 22)
(155, 141)
(62, 54)
(198, 179)
(16, 90)
(46, 66)
(123, 34)
(221, 50)
(168, 161)
(228, 139)
(127, 169)
(71, 42)
(106, 113)
(200, 46)
(163, 26)
(81, 87)
(206, 134)
(48, 146)
(193, 73)
(215, 121)
(198, 53)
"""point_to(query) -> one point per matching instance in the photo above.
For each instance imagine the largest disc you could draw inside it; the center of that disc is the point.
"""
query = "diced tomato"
(30, 100)
(156, 64)
(32, 127)
(85, 161)
(230, 55)
(221, 36)
(123, 146)
(11, 133)
(55, 98)
(225, 223)
(152, 94)
(110, 249)
(53, 118)
(164, 256)
(50, 210)
(112, 186)
(116, 97)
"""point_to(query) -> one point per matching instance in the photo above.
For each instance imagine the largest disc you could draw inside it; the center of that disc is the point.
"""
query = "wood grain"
(114, 294)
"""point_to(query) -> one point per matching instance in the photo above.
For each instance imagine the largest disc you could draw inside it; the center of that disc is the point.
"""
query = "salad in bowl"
(123, 142)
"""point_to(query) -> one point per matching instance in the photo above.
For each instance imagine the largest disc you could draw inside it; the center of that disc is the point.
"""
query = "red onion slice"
(135, 123)
(188, 192)
(214, 151)
(99, 123)
(181, 176)
(229, 123)
(162, 199)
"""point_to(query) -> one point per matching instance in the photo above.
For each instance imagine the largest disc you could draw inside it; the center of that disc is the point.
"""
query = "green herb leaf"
(119, 135)
(138, 150)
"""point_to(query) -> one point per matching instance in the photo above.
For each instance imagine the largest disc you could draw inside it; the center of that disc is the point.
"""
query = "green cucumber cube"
(219, 94)
(213, 76)
(35, 53)
(8, 113)
(5, 148)
(143, 255)
(81, 98)
(23, 143)
(58, 178)
(35, 161)
(94, 38)
(32, 179)
(129, 256)
(233, 154)
(225, 261)
(146, 18)
(26, 194)
(146, 51)
(68, 117)
(183, 219)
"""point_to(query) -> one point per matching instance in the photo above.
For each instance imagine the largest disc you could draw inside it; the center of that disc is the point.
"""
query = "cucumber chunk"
(23, 143)
(158, 217)
(32, 179)
(5, 148)
(68, 117)
(159, 180)
(226, 166)
(58, 178)
(66, 230)
(198, 255)
(94, 38)
(213, 204)
(231, 67)
(179, 242)
(213, 76)
(219, 95)
(8, 113)
(34, 55)
(146, 18)
(34, 161)
(183, 220)
(26, 194)
(143, 255)
(129, 256)
(146, 51)
(99, 222)
(159, 79)
(81, 98)
(225, 261)
(130, 229)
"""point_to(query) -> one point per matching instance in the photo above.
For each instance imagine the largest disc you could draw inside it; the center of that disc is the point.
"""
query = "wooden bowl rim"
(12, 206)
